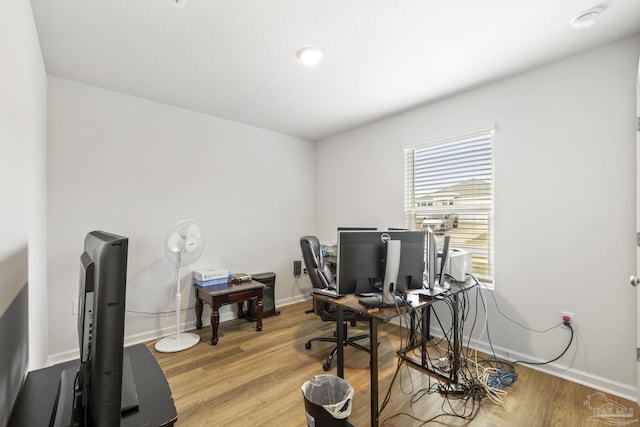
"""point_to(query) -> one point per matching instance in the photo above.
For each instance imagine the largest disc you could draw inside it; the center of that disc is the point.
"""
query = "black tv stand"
(37, 398)
(63, 414)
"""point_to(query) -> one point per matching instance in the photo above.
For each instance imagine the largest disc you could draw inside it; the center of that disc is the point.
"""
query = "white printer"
(458, 264)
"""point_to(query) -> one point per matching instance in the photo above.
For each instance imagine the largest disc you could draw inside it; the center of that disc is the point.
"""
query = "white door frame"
(638, 233)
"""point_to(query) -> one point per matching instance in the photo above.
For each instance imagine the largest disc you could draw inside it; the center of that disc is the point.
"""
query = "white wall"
(23, 124)
(564, 203)
(136, 167)
(22, 190)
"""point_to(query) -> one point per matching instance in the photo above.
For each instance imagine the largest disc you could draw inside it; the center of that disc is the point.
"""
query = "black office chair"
(321, 277)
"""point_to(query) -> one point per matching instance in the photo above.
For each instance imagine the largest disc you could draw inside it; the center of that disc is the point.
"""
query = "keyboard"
(327, 293)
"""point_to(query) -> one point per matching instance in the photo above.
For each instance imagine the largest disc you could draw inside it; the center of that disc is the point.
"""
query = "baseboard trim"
(156, 334)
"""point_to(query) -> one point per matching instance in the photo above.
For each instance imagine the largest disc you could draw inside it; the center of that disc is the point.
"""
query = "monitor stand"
(63, 414)
(63, 409)
(437, 290)
(129, 397)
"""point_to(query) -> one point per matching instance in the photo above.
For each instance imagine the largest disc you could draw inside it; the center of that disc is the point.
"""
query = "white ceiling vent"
(179, 3)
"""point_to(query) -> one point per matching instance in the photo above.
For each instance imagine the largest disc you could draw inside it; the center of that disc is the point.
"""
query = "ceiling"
(236, 59)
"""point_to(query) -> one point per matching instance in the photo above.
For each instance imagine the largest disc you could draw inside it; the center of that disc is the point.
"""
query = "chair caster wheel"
(326, 366)
(307, 345)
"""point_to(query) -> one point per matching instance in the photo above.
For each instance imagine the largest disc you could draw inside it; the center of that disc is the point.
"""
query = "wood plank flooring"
(254, 379)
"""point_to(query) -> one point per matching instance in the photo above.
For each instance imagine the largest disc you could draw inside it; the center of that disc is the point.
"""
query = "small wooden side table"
(219, 295)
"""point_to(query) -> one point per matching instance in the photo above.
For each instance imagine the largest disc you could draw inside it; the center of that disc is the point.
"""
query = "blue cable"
(503, 378)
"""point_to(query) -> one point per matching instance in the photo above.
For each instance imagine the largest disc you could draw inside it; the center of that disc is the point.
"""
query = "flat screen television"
(362, 260)
(92, 394)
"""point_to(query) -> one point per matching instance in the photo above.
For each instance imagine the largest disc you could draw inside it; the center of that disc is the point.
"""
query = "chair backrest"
(319, 274)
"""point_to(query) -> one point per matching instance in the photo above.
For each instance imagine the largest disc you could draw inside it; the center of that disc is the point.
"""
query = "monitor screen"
(361, 260)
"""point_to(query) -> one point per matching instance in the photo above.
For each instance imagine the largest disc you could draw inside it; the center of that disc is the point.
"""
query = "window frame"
(476, 201)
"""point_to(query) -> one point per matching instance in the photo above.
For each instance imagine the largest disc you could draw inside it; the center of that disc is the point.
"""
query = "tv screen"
(362, 259)
(91, 394)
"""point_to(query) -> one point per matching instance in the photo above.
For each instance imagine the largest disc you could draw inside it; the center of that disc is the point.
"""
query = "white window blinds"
(449, 188)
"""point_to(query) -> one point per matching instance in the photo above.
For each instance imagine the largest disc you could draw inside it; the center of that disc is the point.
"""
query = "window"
(449, 188)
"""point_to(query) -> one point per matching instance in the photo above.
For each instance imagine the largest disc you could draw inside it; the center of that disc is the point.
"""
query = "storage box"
(240, 278)
(212, 282)
(211, 274)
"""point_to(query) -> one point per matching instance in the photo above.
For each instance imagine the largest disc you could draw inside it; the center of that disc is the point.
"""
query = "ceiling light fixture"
(586, 19)
(179, 3)
(310, 56)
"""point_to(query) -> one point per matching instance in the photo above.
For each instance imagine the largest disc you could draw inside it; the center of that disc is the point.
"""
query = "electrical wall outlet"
(297, 267)
(571, 316)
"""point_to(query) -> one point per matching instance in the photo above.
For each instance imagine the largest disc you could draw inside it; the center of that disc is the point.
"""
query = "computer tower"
(268, 299)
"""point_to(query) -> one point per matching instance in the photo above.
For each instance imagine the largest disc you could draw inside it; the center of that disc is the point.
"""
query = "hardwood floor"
(254, 379)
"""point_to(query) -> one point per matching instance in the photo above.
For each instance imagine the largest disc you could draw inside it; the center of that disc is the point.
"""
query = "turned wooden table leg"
(199, 305)
(215, 322)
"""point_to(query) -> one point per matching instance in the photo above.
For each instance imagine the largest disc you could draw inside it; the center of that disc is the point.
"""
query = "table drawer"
(240, 296)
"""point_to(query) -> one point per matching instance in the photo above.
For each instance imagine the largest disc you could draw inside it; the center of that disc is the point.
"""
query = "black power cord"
(568, 325)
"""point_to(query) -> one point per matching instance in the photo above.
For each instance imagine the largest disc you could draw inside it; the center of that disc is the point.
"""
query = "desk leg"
(215, 322)
(373, 344)
(427, 324)
(259, 309)
(455, 364)
(412, 330)
(199, 305)
(340, 338)
(425, 336)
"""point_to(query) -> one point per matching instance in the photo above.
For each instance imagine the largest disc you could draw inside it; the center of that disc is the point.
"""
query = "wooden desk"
(38, 395)
(381, 315)
(219, 295)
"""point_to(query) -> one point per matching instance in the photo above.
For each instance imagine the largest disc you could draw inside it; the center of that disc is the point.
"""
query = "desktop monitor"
(362, 260)
(356, 229)
(435, 279)
(91, 394)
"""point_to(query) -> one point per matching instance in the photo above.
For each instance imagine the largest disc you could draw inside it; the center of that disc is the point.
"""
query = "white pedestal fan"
(184, 245)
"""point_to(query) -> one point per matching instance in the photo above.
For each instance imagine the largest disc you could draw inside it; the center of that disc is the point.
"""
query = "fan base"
(172, 344)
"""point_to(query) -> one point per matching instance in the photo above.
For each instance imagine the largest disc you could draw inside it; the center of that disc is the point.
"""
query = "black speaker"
(268, 299)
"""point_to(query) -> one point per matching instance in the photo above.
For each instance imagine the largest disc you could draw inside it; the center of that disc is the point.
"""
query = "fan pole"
(172, 344)
(178, 303)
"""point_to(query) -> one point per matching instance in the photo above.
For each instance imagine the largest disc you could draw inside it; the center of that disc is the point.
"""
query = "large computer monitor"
(362, 259)
(92, 394)
(435, 282)
(356, 229)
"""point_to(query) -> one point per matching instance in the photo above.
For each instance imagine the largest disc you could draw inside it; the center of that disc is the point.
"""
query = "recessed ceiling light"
(310, 56)
(586, 19)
